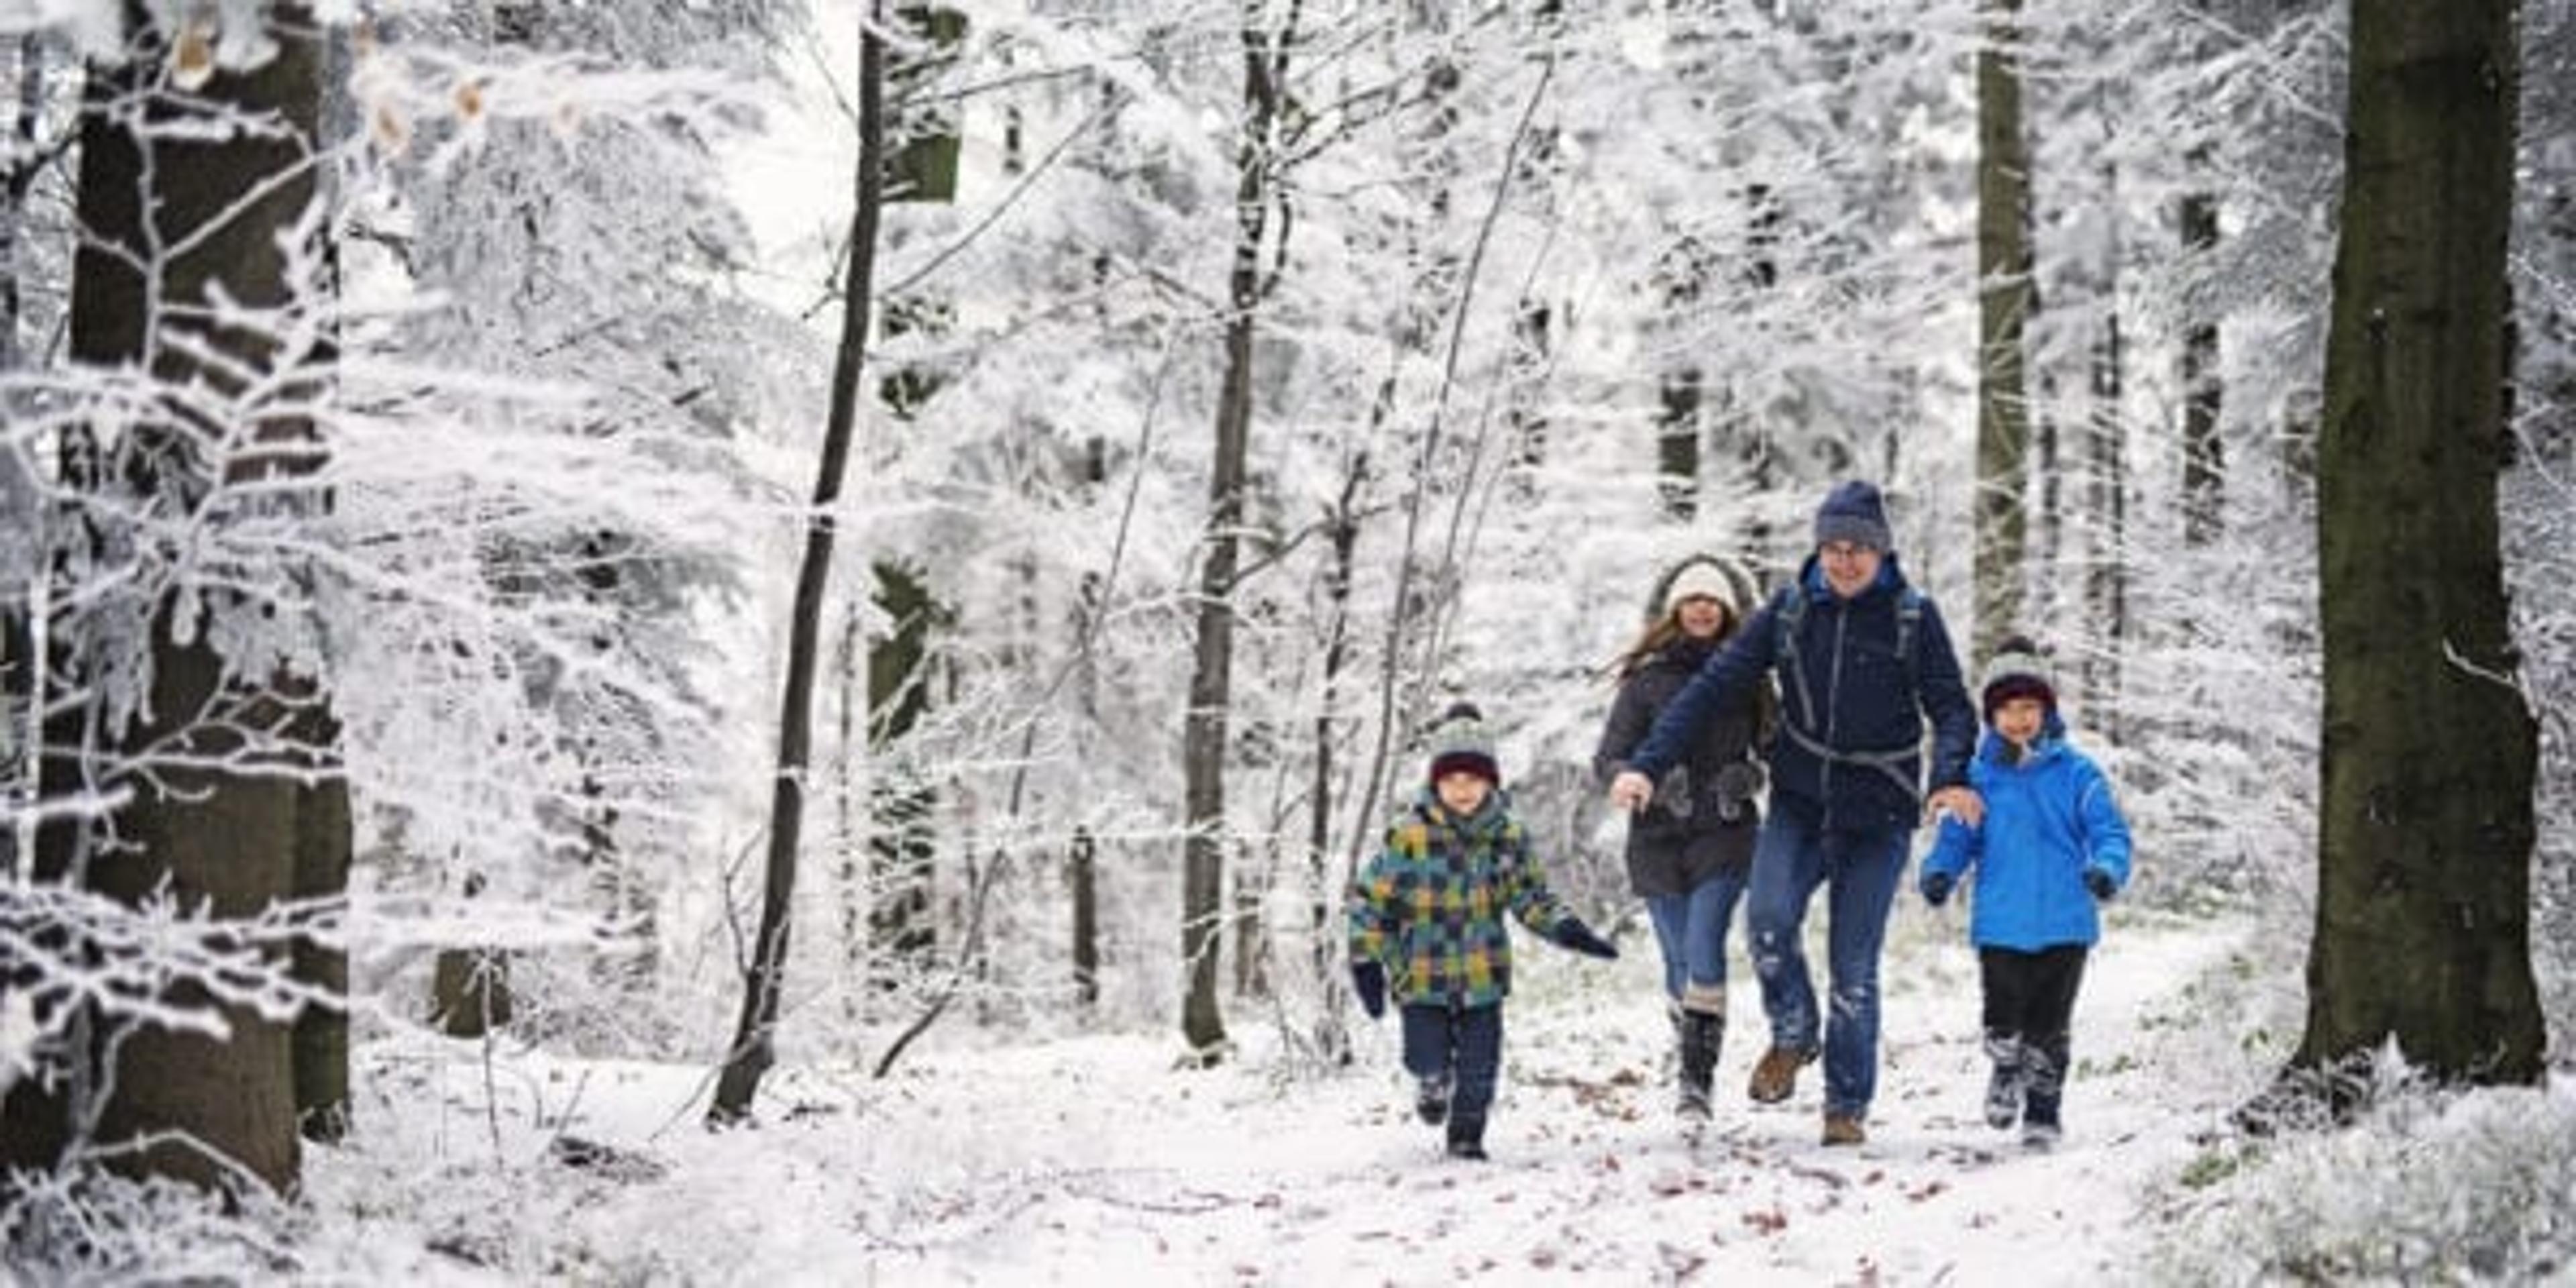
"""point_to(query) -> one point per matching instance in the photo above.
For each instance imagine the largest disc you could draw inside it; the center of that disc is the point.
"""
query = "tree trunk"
(470, 992)
(1677, 443)
(2006, 299)
(752, 1052)
(2105, 571)
(469, 988)
(15, 182)
(902, 853)
(2424, 856)
(1082, 874)
(324, 839)
(2204, 459)
(18, 485)
(902, 921)
(217, 824)
(1332, 1037)
(1203, 738)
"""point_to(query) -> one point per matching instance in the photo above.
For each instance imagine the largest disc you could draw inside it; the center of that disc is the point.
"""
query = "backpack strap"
(1798, 720)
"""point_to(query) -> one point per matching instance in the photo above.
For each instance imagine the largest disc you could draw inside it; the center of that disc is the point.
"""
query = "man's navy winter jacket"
(1852, 711)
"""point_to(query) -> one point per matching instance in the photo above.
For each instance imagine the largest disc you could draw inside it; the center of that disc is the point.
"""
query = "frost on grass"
(2430, 1186)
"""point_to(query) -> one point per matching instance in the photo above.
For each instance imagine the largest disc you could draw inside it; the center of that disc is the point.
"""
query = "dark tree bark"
(324, 841)
(752, 1051)
(1680, 391)
(2105, 576)
(2424, 857)
(902, 853)
(1342, 528)
(2204, 454)
(2006, 300)
(1082, 874)
(1203, 737)
(469, 988)
(177, 215)
(16, 180)
(901, 921)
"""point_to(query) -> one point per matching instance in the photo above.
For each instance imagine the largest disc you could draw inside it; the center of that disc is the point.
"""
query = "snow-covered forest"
(731, 640)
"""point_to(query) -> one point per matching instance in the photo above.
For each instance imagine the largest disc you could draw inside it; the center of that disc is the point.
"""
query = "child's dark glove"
(2099, 881)
(1572, 933)
(1936, 887)
(1368, 983)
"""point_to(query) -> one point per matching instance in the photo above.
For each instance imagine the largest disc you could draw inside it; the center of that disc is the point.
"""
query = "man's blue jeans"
(1691, 930)
(1860, 870)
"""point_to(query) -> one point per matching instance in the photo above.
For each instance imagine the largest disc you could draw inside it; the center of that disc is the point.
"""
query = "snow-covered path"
(1092, 1161)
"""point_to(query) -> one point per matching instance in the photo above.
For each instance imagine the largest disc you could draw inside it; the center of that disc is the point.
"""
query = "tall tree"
(2425, 845)
(196, 270)
(2204, 460)
(901, 853)
(1203, 742)
(2006, 298)
(764, 974)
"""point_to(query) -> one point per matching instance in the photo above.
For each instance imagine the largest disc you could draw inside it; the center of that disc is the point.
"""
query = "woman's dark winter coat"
(1703, 816)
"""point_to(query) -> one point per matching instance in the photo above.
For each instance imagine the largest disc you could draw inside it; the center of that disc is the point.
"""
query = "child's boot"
(1431, 1098)
(2005, 1086)
(2045, 1088)
(1467, 1138)
(1702, 1034)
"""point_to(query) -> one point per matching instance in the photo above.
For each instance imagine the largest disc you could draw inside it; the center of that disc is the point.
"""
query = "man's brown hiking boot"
(1775, 1075)
(1843, 1129)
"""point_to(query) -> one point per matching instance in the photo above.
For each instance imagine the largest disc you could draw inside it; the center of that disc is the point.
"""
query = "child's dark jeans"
(1464, 1044)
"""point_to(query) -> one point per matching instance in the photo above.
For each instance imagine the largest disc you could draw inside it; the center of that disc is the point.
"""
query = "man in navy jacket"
(1864, 662)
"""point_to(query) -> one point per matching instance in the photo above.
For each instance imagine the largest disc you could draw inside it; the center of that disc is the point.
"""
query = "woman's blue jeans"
(1690, 928)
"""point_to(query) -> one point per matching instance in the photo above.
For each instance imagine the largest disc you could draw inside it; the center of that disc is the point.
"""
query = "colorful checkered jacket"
(1430, 905)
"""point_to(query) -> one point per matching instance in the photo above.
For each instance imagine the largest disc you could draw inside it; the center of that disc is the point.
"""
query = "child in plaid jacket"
(1426, 923)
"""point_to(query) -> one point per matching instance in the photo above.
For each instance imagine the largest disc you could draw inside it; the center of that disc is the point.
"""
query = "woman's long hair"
(1660, 635)
(1665, 627)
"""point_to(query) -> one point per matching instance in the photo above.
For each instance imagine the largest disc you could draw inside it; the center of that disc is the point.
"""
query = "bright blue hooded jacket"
(2048, 819)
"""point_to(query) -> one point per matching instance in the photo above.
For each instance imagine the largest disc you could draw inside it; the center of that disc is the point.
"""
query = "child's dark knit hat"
(1461, 742)
(2017, 670)
(1854, 512)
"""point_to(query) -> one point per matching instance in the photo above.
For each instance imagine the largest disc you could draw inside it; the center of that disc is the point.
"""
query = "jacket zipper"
(1833, 702)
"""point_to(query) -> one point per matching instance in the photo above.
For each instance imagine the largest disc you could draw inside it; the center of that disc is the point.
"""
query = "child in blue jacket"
(2052, 844)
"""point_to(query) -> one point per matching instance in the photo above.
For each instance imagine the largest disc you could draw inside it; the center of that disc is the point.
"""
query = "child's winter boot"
(1431, 1098)
(2004, 1087)
(1467, 1139)
(1702, 1034)
(2044, 1087)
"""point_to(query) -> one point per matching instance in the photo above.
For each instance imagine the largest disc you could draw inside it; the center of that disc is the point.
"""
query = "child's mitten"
(1572, 933)
(2098, 880)
(1368, 983)
(1936, 887)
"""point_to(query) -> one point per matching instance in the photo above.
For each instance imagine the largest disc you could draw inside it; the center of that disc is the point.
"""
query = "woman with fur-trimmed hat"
(1690, 851)
(2051, 845)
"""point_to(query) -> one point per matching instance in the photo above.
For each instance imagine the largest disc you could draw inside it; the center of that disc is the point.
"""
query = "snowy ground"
(1093, 1161)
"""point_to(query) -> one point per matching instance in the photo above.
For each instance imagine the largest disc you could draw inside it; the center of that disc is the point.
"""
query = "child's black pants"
(2030, 1004)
